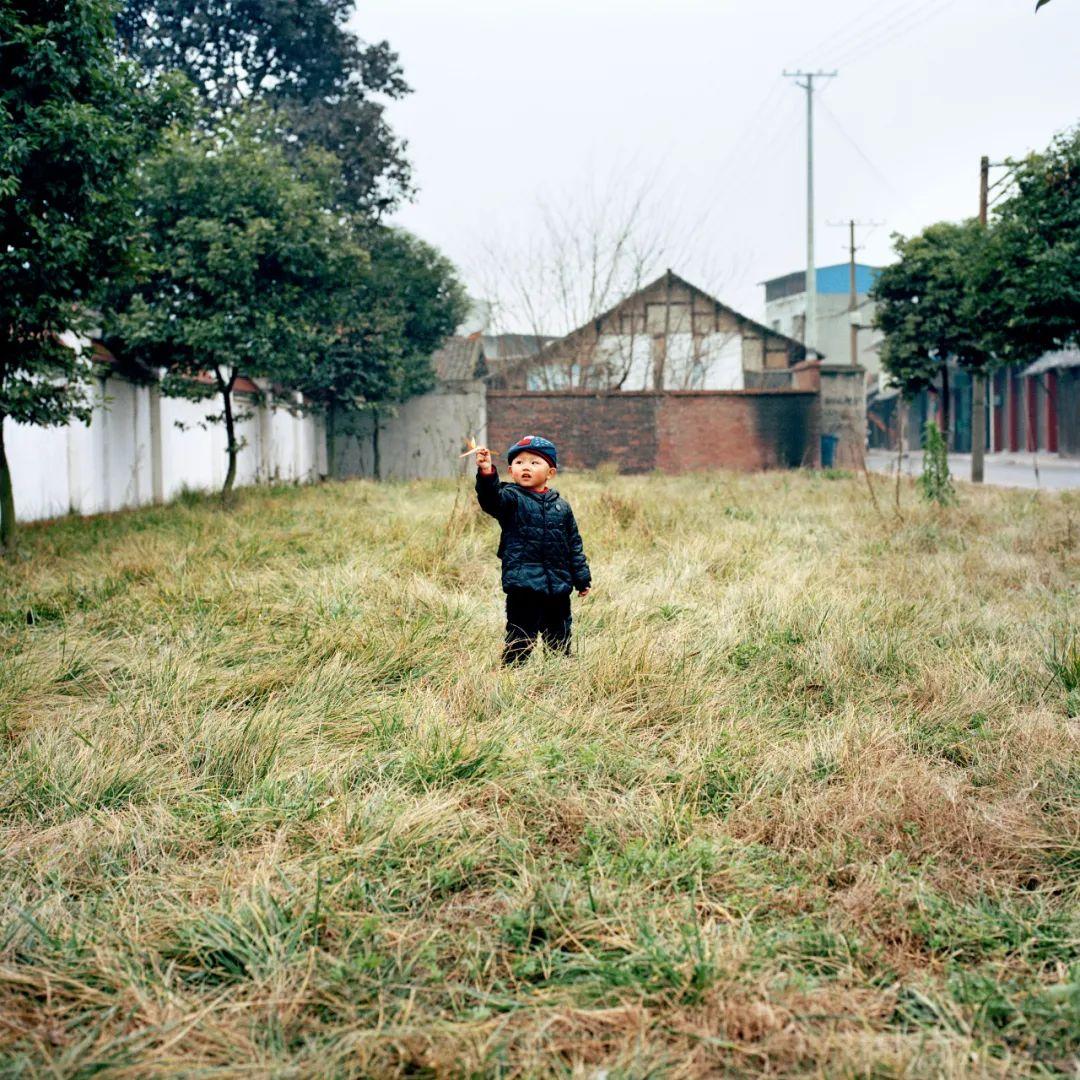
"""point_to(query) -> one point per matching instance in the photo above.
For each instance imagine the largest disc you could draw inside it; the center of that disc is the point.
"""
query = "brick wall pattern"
(673, 431)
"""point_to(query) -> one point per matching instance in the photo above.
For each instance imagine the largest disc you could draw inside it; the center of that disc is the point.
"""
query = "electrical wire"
(858, 149)
(884, 30)
(781, 122)
(919, 17)
(761, 113)
(842, 39)
(1009, 175)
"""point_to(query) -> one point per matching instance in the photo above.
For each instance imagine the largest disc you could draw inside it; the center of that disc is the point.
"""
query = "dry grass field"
(806, 802)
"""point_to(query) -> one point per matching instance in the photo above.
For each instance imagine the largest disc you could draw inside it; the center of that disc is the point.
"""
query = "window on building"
(668, 318)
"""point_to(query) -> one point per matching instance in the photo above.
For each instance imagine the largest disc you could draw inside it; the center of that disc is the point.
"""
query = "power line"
(779, 123)
(1001, 180)
(856, 28)
(858, 149)
(889, 25)
(761, 112)
(929, 11)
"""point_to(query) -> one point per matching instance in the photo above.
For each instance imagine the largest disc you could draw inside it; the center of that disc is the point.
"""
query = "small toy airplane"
(470, 442)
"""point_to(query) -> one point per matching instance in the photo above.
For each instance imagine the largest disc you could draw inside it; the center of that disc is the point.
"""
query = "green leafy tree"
(297, 57)
(387, 325)
(243, 262)
(1030, 279)
(931, 310)
(72, 126)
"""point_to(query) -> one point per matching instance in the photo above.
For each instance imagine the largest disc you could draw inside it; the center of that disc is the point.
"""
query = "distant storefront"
(1029, 408)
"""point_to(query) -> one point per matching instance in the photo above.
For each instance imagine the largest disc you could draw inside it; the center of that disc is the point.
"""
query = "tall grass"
(806, 801)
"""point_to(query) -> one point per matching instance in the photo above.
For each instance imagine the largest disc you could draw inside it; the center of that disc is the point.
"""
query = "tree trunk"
(375, 463)
(7, 501)
(331, 453)
(230, 434)
(945, 406)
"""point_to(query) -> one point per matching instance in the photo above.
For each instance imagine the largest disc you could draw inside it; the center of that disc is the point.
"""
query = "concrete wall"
(677, 431)
(132, 452)
(843, 405)
(424, 439)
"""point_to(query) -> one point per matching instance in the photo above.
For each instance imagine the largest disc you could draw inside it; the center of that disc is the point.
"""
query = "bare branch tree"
(593, 247)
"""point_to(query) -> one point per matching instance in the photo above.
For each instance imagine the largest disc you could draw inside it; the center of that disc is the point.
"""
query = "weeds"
(804, 803)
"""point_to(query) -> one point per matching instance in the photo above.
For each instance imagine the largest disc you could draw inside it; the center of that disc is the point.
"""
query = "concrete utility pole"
(978, 380)
(809, 334)
(853, 294)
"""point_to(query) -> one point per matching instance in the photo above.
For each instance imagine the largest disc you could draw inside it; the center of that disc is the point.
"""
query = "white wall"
(423, 440)
(717, 364)
(833, 328)
(132, 452)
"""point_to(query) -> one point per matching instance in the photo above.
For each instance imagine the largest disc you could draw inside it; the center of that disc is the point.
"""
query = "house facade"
(669, 335)
(785, 312)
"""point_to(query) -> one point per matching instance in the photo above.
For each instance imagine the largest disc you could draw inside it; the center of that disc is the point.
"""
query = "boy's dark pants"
(531, 614)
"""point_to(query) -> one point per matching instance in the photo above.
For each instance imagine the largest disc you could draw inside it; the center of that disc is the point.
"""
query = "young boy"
(542, 557)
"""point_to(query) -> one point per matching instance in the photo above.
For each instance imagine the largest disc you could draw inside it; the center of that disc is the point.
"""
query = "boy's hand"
(483, 459)
(584, 592)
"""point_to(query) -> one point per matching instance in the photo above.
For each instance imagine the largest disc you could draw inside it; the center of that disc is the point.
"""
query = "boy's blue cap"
(535, 444)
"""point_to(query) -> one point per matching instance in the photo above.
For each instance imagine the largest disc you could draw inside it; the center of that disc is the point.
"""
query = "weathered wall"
(589, 429)
(1068, 405)
(424, 439)
(132, 452)
(843, 405)
(752, 430)
(677, 431)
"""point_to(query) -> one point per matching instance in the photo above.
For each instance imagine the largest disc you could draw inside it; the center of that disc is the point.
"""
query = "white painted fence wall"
(132, 452)
(423, 440)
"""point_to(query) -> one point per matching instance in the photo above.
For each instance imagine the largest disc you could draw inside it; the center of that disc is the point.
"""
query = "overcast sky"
(520, 102)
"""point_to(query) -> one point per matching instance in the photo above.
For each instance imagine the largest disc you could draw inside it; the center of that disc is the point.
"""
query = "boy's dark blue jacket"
(540, 546)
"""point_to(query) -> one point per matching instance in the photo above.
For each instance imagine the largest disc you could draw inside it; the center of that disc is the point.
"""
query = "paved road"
(1004, 470)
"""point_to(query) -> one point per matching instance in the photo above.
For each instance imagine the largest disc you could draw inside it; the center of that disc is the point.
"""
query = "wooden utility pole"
(978, 379)
(810, 332)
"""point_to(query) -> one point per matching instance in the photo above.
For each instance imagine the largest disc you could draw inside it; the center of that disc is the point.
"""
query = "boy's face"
(531, 470)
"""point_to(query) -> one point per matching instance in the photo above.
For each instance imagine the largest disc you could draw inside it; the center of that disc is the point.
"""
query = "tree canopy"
(297, 57)
(930, 309)
(71, 129)
(244, 261)
(405, 305)
(1033, 269)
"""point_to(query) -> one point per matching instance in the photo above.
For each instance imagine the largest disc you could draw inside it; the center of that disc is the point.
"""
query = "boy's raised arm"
(488, 487)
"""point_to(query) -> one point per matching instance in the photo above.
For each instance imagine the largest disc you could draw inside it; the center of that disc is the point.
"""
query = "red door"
(1051, 412)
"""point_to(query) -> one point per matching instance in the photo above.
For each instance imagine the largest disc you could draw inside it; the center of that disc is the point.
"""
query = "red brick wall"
(587, 428)
(677, 431)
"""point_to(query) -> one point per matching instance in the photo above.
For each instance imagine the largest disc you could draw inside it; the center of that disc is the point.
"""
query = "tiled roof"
(134, 369)
(513, 346)
(460, 359)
